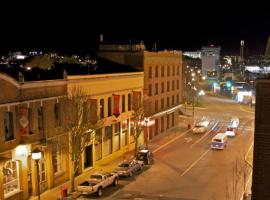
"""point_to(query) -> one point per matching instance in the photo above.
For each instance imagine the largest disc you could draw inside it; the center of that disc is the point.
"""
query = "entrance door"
(88, 158)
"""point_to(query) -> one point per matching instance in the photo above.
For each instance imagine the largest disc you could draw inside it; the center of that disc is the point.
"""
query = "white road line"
(204, 135)
(194, 163)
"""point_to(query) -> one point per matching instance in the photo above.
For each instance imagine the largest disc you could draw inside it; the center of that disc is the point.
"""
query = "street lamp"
(146, 124)
(36, 155)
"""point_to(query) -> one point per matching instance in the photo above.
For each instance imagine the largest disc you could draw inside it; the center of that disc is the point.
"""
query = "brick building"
(163, 86)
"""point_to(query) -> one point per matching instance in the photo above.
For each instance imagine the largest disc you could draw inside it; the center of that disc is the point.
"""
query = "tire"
(99, 192)
(115, 182)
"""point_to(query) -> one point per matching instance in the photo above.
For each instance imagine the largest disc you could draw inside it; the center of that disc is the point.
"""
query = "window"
(116, 140)
(168, 70)
(129, 102)
(107, 141)
(41, 122)
(156, 72)
(173, 85)
(124, 125)
(162, 87)
(101, 109)
(42, 165)
(156, 105)
(132, 129)
(168, 121)
(162, 123)
(98, 144)
(172, 119)
(8, 125)
(150, 89)
(109, 106)
(123, 103)
(168, 101)
(57, 114)
(56, 158)
(172, 100)
(31, 121)
(162, 71)
(11, 182)
(173, 70)
(177, 86)
(177, 99)
(162, 103)
(178, 69)
(88, 162)
(150, 72)
(156, 88)
(168, 86)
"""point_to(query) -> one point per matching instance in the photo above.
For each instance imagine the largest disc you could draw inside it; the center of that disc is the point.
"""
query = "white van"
(219, 141)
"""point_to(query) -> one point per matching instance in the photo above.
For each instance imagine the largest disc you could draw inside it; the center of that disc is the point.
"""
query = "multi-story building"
(162, 82)
(210, 56)
(261, 160)
(29, 117)
(32, 115)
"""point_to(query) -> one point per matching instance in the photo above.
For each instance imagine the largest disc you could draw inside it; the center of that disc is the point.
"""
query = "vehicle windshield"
(123, 165)
(95, 176)
(217, 140)
(141, 156)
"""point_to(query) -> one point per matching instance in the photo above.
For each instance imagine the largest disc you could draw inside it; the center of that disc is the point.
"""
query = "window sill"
(12, 193)
(57, 174)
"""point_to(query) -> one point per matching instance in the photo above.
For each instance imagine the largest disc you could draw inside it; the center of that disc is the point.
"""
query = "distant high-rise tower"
(242, 45)
(267, 51)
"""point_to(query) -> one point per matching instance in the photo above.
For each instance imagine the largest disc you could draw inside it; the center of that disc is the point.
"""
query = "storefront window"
(11, 178)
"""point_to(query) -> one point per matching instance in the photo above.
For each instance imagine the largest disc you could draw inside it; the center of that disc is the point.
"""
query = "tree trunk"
(72, 178)
(136, 147)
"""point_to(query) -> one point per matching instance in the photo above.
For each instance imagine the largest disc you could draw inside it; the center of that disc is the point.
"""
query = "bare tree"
(237, 186)
(138, 119)
(81, 119)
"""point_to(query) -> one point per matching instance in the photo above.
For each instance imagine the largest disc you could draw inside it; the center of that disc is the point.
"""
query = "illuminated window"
(101, 109)
(11, 182)
(56, 158)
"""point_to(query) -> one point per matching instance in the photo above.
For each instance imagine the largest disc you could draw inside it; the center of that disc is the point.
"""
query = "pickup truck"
(97, 182)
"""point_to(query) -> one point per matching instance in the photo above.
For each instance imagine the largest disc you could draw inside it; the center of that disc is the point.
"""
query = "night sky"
(72, 28)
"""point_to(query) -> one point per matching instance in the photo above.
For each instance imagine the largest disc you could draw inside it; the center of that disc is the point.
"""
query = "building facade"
(28, 118)
(163, 88)
(261, 158)
(32, 115)
(210, 56)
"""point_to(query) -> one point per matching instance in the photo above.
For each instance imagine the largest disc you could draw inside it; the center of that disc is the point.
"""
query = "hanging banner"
(136, 100)
(116, 105)
(23, 121)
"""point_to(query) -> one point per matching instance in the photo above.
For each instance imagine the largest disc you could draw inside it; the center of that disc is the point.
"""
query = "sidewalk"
(155, 143)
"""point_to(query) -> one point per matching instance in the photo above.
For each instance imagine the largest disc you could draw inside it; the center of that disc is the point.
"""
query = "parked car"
(199, 128)
(146, 156)
(128, 168)
(97, 182)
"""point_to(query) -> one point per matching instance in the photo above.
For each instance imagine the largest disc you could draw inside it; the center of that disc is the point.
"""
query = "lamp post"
(36, 155)
(146, 124)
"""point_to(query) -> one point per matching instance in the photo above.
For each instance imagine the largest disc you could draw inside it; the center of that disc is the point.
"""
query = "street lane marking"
(241, 108)
(194, 163)
(204, 135)
(171, 141)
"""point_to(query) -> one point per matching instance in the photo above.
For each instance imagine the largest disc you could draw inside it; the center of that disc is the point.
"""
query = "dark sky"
(71, 27)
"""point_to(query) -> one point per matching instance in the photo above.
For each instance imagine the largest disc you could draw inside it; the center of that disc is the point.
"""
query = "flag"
(23, 121)
(116, 105)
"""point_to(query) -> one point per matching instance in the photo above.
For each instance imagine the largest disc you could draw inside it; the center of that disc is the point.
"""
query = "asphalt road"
(188, 169)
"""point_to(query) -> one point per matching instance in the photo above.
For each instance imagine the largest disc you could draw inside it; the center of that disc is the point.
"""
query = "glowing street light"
(36, 155)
